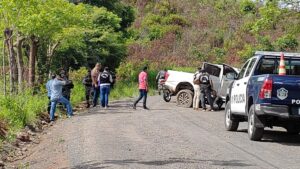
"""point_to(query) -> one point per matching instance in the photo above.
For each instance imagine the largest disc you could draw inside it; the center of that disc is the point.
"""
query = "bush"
(286, 43)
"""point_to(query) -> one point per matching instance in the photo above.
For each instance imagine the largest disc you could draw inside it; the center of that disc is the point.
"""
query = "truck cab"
(262, 97)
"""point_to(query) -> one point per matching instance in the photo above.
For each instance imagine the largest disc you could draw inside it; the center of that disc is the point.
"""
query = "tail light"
(266, 89)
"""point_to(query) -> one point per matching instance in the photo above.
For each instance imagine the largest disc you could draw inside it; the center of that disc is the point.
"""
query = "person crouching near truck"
(206, 86)
(197, 92)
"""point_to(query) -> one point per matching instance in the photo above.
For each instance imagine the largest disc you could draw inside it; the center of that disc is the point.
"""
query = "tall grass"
(16, 111)
(19, 110)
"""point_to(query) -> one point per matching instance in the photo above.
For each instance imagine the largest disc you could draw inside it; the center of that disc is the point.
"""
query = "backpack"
(204, 79)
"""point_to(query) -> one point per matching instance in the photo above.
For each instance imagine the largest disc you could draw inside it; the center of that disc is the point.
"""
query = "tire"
(254, 132)
(167, 95)
(292, 130)
(230, 125)
(184, 98)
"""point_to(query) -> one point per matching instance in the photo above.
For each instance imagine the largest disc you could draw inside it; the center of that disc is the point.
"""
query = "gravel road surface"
(165, 136)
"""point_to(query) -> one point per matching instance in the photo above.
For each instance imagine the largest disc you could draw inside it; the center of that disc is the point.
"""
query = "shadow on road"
(281, 137)
(94, 165)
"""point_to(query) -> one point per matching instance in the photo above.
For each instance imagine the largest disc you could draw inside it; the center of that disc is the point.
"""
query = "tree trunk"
(3, 68)
(8, 33)
(32, 60)
(20, 62)
(50, 53)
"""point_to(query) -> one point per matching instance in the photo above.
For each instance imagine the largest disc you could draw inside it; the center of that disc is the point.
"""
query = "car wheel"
(185, 98)
(167, 95)
(230, 125)
(255, 133)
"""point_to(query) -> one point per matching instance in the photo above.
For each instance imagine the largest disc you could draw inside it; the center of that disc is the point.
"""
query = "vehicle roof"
(268, 53)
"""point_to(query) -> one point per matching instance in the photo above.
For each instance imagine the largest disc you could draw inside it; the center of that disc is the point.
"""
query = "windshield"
(270, 65)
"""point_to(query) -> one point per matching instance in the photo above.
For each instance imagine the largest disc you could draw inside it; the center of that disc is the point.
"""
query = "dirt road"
(164, 137)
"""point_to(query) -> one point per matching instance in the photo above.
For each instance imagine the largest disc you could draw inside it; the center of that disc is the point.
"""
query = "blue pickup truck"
(262, 97)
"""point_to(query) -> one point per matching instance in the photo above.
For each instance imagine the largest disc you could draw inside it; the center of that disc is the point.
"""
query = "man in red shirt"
(143, 88)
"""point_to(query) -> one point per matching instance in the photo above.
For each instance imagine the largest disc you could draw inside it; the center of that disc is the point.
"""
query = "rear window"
(212, 70)
(271, 66)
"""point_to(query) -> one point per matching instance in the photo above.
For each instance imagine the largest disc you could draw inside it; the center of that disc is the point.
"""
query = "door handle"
(245, 83)
(238, 84)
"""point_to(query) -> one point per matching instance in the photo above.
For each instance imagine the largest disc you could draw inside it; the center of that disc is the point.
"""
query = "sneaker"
(203, 109)
(105, 107)
(69, 116)
(88, 105)
(146, 108)
(51, 123)
(210, 109)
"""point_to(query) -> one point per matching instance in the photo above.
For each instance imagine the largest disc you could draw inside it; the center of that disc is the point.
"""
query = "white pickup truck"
(181, 84)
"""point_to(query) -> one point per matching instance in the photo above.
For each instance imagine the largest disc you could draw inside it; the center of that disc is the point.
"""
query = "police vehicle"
(264, 98)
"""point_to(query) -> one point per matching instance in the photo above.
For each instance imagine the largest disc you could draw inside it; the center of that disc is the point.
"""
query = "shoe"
(134, 107)
(210, 109)
(69, 116)
(94, 105)
(204, 109)
(51, 123)
(105, 107)
(146, 108)
(88, 106)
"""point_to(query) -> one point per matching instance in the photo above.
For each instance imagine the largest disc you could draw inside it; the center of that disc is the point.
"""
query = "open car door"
(229, 74)
(215, 74)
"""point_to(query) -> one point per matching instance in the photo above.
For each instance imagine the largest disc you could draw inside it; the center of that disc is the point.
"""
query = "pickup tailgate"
(286, 90)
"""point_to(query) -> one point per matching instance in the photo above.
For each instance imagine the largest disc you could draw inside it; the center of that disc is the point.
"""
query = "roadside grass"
(19, 110)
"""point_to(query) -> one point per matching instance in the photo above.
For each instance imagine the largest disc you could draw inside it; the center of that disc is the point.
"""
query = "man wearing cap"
(143, 88)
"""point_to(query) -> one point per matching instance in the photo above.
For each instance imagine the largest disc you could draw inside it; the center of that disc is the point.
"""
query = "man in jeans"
(95, 73)
(106, 80)
(56, 97)
(48, 87)
(143, 88)
(206, 86)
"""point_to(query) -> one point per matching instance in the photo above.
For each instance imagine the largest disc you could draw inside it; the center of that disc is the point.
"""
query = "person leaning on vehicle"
(197, 92)
(206, 86)
(160, 79)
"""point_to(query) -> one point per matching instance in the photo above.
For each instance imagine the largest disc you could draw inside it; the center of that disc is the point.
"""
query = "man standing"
(95, 73)
(48, 87)
(56, 97)
(87, 82)
(143, 88)
(205, 88)
(66, 91)
(196, 81)
(106, 80)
